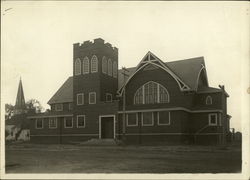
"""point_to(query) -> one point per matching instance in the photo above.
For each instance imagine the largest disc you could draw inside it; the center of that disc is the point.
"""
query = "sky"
(37, 42)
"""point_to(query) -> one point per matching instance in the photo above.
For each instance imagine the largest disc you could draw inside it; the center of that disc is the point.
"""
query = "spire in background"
(20, 101)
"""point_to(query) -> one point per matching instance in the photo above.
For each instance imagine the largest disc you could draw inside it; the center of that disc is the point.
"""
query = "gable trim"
(198, 77)
(144, 62)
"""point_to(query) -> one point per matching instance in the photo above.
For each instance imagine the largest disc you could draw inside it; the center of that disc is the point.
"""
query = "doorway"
(107, 127)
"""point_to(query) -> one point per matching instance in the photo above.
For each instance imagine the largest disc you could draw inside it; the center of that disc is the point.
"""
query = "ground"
(30, 158)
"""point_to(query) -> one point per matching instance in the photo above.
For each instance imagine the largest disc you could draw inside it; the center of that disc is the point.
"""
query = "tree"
(9, 111)
(34, 105)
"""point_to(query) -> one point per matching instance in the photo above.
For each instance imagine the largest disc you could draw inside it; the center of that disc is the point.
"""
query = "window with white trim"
(85, 64)
(52, 122)
(110, 67)
(104, 65)
(209, 100)
(94, 64)
(77, 66)
(108, 97)
(151, 93)
(68, 122)
(132, 119)
(39, 123)
(147, 119)
(163, 118)
(80, 99)
(92, 98)
(59, 107)
(212, 119)
(80, 121)
(115, 69)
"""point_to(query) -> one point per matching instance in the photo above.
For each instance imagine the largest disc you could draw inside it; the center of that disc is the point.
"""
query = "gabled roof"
(64, 94)
(187, 70)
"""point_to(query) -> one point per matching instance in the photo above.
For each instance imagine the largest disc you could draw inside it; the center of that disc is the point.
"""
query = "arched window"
(109, 67)
(209, 100)
(77, 66)
(85, 65)
(104, 65)
(151, 93)
(115, 69)
(94, 64)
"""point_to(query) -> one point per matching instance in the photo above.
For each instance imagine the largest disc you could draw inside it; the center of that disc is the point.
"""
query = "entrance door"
(107, 127)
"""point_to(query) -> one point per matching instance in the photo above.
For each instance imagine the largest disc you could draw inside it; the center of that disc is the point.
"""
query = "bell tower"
(95, 73)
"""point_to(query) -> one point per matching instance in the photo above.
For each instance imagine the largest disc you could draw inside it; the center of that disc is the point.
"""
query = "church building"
(154, 102)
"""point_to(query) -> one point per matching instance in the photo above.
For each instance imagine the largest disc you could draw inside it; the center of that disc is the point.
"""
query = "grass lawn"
(29, 158)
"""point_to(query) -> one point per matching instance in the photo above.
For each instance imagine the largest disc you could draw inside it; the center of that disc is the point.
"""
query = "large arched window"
(104, 65)
(209, 100)
(77, 66)
(115, 69)
(85, 68)
(109, 67)
(94, 64)
(151, 93)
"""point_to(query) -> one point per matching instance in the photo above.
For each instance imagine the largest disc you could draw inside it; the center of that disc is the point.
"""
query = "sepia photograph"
(122, 90)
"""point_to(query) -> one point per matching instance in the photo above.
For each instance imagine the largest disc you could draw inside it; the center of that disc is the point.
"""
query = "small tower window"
(108, 97)
(114, 69)
(209, 100)
(77, 66)
(92, 98)
(109, 67)
(104, 65)
(85, 65)
(94, 64)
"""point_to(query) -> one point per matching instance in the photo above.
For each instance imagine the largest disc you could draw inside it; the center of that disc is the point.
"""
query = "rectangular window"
(132, 119)
(80, 121)
(147, 119)
(70, 106)
(39, 123)
(212, 118)
(108, 97)
(80, 99)
(52, 122)
(163, 118)
(59, 107)
(68, 122)
(92, 98)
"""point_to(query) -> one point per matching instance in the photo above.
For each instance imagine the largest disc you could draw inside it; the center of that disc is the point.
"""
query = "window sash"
(80, 99)
(59, 107)
(67, 120)
(80, 120)
(165, 116)
(134, 118)
(85, 68)
(147, 116)
(92, 98)
(77, 66)
(210, 116)
(39, 123)
(94, 64)
(52, 123)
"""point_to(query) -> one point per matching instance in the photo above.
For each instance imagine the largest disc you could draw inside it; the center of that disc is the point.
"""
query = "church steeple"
(20, 101)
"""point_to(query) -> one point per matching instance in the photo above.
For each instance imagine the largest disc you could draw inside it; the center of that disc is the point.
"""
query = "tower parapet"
(92, 44)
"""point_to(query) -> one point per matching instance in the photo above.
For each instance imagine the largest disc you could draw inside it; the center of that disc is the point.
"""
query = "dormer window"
(59, 107)
(209, 100)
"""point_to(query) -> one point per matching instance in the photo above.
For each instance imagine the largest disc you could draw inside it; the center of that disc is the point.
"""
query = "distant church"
(154, 102)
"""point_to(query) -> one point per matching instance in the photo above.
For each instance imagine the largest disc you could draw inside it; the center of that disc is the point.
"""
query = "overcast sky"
(37, 40)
